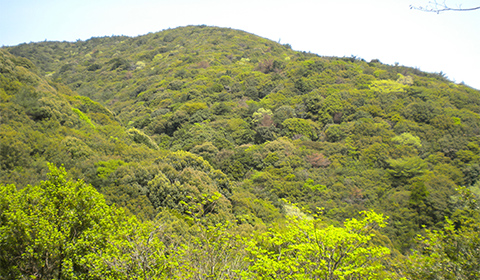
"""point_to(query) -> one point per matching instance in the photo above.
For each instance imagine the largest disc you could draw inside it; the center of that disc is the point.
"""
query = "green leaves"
(295, 128)
(449, 253)
(62, 229)
(83, 117)
(408, 139)
(223, 112)
(49, 225)
(406, 167)
(307, 248)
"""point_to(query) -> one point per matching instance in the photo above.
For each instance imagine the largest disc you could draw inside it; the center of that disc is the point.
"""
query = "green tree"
(63, 229)
(408, 139)
(46, 229)
(406, 168)
(308, 248)
(295, 128)
(449, 253)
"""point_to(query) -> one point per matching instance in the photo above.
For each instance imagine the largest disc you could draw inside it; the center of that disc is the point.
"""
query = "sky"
(387, 30)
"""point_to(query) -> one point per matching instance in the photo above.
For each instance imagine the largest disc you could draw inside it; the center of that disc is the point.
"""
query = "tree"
(212, 251)
(296, 127)
(137, 250)
(436, 7)
(46, 229)
(406, 168)
(63, 229)
(308, 248)
(450, 252)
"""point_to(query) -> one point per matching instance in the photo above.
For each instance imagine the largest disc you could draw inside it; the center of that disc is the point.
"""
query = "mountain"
(241, 126)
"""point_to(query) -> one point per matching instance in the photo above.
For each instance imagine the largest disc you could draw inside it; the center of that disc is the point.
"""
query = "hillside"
(241, 127)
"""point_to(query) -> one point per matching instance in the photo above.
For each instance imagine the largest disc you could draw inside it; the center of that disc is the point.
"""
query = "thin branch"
(435, 7)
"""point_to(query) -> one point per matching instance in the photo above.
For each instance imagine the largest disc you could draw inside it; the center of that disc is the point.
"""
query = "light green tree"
(308, 248)
(63, 229)
(408, 139)
(45, 229)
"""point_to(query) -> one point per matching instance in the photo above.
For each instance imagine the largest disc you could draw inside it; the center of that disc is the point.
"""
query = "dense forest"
(211, 153)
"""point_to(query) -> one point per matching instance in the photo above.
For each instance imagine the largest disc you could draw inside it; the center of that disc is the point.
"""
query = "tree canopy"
(147, 152)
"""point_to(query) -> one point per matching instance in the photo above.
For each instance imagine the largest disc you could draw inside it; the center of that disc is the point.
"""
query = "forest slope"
(166, 118)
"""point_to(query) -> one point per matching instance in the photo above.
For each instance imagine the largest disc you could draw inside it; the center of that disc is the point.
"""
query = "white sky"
(383, 29)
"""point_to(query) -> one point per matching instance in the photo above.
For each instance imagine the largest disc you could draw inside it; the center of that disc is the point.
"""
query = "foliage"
(83, 117)
(307, 248)
(170, 120)
(452, 251)
(57, 229)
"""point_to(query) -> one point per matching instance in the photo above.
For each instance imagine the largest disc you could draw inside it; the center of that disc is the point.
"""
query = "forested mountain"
(199, 138)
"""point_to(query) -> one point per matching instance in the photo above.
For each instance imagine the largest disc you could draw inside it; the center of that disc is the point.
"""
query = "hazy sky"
(383, 29)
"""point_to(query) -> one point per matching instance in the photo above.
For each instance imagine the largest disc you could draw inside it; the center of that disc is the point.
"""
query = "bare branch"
(435, 7)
